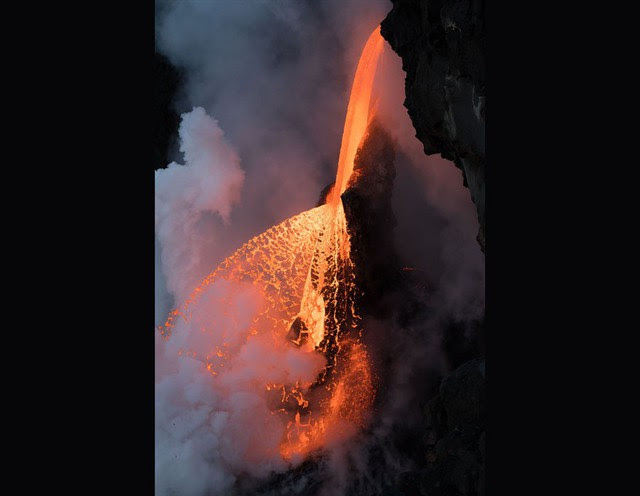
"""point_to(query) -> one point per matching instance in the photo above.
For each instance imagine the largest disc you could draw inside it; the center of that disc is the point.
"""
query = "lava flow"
(300, 276)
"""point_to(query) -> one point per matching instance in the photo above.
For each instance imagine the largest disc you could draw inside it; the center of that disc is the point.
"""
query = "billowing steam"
(209, 183)
(275, 77)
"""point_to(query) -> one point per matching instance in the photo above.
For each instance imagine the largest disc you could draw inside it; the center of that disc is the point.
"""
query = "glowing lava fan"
(293, 290)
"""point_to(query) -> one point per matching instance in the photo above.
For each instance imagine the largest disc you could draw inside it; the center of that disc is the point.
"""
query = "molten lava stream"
(303, 273)
(358, 111)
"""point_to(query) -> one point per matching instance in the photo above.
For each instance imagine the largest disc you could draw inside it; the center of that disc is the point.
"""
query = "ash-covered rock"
(441, 43)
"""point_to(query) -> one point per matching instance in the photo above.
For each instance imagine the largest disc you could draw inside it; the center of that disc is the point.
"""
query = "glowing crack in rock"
(293, 287)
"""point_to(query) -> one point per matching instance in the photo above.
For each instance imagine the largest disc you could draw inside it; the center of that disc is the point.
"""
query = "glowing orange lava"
(357, 118)
(303, 272)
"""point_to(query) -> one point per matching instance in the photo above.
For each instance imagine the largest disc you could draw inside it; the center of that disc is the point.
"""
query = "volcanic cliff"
(441, 43)
(442, 46)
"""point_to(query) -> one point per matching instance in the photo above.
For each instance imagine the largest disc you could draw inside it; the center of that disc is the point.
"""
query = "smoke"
(263, 106)
(210, 431)
(276, 76)
(437, 221)
(188, 195)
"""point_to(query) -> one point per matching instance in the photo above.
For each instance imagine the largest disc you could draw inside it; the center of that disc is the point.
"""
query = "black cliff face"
(441, 43)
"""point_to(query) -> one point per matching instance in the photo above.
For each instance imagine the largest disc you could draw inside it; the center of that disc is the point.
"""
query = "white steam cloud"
(276, 75)
(208, 183)
(209, 430)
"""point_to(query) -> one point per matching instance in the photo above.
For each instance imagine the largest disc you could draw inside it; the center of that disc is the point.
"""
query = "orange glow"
(358, 111)
(303, 271)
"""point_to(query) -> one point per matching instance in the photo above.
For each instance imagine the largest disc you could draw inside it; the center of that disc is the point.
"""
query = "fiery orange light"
(303, 271)
(358, 111)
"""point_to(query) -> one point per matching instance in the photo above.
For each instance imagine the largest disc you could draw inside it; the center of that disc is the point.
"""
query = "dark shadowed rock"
(441, 43)
(455, 424)
(370, 218)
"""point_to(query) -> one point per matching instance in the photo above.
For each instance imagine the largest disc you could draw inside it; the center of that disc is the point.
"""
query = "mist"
(262, 113)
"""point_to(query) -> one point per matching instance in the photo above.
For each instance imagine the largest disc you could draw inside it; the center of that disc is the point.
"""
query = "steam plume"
(276, 75)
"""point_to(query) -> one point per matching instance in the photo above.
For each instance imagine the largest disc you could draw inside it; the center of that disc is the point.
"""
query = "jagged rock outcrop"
(441, 43)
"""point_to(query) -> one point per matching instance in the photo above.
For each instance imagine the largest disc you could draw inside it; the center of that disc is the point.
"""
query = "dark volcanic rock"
(455, 434)
(437, 446)
(370, 218)
(441, 43)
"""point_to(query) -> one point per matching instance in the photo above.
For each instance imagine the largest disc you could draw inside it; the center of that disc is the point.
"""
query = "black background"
(89, 111)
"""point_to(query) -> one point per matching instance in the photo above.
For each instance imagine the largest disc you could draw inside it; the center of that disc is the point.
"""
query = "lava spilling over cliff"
(303, 360)
(292, 291)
